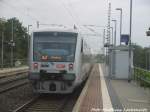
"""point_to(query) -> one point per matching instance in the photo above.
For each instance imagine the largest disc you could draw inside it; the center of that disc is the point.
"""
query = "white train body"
(55, 61)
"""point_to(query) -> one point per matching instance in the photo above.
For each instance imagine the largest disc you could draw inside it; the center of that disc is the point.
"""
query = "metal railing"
(142, 76)
(16, 63)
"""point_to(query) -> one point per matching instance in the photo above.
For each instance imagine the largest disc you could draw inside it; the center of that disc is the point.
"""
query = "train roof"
(57, 30)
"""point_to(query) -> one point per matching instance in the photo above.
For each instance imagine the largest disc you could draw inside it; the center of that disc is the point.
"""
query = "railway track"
(12, 82)
(51, 103)
(13, 78)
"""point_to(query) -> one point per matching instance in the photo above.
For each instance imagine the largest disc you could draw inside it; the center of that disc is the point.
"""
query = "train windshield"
(54, 46)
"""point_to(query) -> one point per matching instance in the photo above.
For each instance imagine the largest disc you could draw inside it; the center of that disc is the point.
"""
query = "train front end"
(52, 61)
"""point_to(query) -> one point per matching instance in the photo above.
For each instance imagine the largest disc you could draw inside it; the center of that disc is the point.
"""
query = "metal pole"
(37, 24)
(130, 72)
(115, 35)
(29, 35)
(108, 28)
(29, 41)
(146, 59)
(12, 39)
(120, 9)
(108, 39)
(104, 41)
(114, 52)
(2, 43)
(104, 50)
(120, 24)
(112, 33)
(2, 51)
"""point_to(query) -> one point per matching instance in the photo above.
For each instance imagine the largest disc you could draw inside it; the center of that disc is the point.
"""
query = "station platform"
(11, 71)
(94, 96)
(130, 96)
(102, 94)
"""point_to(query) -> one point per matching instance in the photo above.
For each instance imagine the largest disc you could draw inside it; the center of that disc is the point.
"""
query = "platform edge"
(107, 105)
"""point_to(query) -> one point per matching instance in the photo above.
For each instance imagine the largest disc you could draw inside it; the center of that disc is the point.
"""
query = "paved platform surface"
(125, 95)
(131, 96)
(93, 97)
(102, 94)
(93, 94)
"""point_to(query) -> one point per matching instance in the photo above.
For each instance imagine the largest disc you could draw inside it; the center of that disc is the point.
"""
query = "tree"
(19, 36)
(140, 58)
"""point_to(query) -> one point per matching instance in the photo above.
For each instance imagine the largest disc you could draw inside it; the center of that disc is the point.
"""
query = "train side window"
(82, 46)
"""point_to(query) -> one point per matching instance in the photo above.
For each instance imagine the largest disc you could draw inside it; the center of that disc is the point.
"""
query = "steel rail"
(13, 85)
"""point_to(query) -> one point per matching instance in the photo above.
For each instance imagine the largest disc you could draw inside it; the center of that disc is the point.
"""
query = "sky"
(81, 12)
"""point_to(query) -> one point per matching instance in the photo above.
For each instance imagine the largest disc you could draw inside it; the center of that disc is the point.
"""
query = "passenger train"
(56, 60)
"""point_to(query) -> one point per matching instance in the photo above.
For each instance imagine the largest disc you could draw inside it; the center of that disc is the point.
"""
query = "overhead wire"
(95, 26)
(75, 18)
(35, 19)
(68, 10)
(19, 11)
(93, 31)
(76, 15)
(79, 19)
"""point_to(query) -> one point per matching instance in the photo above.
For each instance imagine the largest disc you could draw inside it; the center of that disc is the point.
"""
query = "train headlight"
(35, 65)
(71, 66)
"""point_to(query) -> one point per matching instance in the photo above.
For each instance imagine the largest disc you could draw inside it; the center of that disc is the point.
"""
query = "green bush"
(142, 76)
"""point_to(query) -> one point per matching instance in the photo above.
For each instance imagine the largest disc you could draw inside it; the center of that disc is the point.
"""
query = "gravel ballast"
(12, 99)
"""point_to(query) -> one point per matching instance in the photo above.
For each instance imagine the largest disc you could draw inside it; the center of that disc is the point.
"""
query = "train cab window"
(57, 48)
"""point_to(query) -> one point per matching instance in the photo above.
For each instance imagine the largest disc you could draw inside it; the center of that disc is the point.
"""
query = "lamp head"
(119, 9)
(114, 20)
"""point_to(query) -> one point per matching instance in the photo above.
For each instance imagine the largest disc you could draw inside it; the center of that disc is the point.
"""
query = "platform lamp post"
(130, 71)
(2, 51)
(29, 35)
(28, 39)
(148, 53)
(120, 9)
(115, 33)
(114, 54)
(104, 32)
(12, 42)
(112, 34)
(38, 24)
(2, 43)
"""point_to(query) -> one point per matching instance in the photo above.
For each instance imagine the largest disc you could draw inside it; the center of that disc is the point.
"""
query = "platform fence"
(16, 63)
(142, 76)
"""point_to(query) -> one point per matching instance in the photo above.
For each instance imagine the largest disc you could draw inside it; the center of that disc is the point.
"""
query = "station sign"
(106, 45)
(125, 38)
(148, 33)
